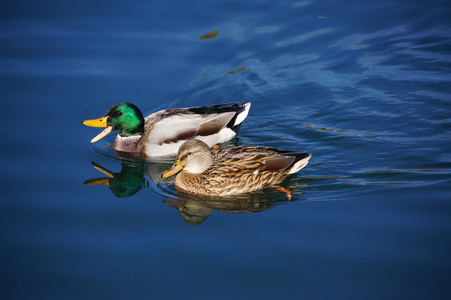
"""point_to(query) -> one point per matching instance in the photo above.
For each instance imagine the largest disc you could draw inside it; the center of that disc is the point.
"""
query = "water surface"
(363, 86)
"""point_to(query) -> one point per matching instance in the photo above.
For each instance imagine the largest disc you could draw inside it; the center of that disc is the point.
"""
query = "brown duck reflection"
(194, 211)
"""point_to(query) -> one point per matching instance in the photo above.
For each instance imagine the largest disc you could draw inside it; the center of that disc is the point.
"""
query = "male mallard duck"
(232, 171)
(162, 133)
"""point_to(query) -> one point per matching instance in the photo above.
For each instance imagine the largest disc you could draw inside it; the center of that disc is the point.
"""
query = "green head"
(127, 118)
(124, 184)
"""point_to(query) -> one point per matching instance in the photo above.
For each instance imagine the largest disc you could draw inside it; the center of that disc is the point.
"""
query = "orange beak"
(176, 167)
(102, 181)
(101, 122)
(98, 181)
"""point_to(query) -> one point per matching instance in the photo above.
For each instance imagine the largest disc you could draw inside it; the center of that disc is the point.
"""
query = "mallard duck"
(232, 171)
(162, 133)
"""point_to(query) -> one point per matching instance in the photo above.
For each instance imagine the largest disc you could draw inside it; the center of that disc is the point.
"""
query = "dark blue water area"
(365, 86)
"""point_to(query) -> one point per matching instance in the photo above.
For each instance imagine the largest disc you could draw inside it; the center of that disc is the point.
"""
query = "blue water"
(365, 86)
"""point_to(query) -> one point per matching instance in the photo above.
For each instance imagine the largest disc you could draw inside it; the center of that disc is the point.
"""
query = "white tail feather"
(299, 165)
(242, 115)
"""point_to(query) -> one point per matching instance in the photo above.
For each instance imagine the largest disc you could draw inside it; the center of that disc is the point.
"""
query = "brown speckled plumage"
(235, 170)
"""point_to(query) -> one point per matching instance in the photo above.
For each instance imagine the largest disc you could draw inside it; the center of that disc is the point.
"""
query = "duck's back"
(166, 130)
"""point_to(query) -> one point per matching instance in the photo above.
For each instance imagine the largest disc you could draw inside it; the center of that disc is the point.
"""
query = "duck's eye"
(189, 153)
(118, 113)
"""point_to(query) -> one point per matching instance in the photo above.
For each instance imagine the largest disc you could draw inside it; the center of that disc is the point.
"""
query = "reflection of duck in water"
(133, 176)
(234, 170)
(130, 179)
(162, 133)
(196, 211)
(123, 184)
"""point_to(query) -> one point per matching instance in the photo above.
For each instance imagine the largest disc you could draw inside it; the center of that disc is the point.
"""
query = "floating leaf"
(210, 35)
(236, 71)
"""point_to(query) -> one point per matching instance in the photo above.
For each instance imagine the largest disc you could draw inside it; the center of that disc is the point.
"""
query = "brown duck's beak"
(176, 167)
(101, 122)
(177, 206)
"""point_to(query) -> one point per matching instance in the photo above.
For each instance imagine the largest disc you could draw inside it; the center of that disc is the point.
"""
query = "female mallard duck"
(232, 170)
(162, 133)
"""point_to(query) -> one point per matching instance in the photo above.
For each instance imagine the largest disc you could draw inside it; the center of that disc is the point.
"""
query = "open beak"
(176, 167)
(101, 122)
(102, 181)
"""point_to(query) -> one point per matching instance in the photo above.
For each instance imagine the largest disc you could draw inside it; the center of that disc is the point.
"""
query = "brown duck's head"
(194, 156)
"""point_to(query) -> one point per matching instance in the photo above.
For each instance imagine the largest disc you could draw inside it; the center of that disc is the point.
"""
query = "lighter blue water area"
(365, 86)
